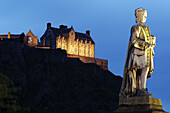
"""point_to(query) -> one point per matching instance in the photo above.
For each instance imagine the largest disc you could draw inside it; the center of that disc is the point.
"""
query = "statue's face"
(141, 17)
(144, 17)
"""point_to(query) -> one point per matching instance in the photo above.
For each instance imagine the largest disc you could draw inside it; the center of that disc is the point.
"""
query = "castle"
(66, 38)
(77, 45)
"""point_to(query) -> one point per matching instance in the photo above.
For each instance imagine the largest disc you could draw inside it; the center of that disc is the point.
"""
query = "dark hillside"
(53, 83)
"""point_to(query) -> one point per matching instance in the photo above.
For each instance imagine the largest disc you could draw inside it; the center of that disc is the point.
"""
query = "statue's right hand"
(153, 45)
(149, 45)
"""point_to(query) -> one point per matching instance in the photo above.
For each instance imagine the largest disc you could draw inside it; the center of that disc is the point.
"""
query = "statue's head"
(141, 15)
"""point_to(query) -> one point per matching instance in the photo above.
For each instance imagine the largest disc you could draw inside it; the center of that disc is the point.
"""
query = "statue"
(138, 67)
(139, 59)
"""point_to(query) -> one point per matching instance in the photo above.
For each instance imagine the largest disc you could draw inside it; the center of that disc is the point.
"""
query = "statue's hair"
(140, 11)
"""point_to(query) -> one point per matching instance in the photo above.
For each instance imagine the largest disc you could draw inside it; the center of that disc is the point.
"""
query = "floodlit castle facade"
(74, 43)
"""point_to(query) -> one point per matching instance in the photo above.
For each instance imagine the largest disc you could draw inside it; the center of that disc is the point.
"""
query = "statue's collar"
(142, 24)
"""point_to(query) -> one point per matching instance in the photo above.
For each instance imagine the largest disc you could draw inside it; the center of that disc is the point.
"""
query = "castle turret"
(9, 34)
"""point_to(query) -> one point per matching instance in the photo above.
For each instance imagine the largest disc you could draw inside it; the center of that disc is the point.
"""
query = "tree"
(8, 98)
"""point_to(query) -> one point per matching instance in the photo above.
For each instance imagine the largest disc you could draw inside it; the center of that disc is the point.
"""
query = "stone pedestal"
(141, 104)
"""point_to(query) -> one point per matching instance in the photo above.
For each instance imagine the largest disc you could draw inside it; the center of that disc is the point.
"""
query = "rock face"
(53, 83)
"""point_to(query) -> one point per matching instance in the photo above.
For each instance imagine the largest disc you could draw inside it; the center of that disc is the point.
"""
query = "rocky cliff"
(52, 83)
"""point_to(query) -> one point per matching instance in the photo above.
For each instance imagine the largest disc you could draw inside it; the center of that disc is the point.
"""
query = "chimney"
(8, 34)
(88, 33)
(62, 27)
(48, 25)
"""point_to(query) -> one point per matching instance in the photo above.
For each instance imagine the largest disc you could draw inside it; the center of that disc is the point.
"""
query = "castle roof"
(83, 36)
(64, 31)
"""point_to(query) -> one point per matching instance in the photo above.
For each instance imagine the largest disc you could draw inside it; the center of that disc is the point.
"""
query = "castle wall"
(63, 43)
(92, 51)
(102, 63)
(76, 47)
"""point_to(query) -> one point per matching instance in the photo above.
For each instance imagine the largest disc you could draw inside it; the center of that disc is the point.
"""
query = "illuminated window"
(29, 39)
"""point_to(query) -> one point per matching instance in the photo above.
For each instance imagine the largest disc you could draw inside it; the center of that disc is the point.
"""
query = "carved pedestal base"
(143, 104)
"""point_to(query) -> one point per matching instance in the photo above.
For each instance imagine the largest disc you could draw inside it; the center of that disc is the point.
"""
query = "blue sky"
(109, 22)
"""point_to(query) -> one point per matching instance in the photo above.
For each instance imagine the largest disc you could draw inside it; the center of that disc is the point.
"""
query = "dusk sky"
(109, 22)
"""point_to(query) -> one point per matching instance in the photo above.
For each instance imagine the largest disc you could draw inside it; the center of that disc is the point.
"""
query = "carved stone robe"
(139, 56)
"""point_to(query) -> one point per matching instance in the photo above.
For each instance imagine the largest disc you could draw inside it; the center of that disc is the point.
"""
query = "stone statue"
(138, 67)
(139, 59)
